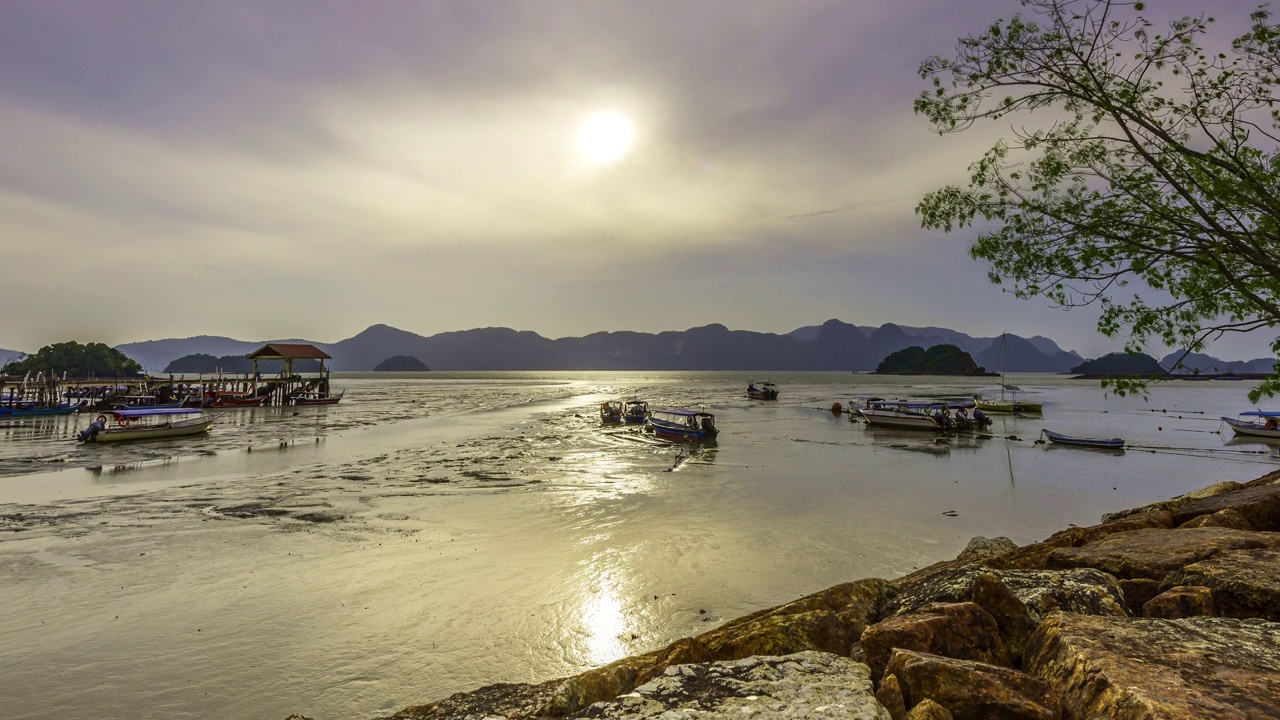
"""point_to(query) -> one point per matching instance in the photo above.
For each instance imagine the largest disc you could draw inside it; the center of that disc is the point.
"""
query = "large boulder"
(1258, 504)
(1035, 557)
(1040, 591)
(801, 685)
(981, 548)
(504, 700)
(831, 621)
(929, 710)
(1152, 554)
(1174, 503)
(957, 630)
(1186, 669)
(972, 690)
(1244, 583)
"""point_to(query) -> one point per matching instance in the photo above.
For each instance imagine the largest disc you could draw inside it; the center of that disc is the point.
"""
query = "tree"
(72, 358)
(1155, 163)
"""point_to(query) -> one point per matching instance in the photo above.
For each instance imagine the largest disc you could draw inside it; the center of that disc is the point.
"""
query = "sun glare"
(605, 137)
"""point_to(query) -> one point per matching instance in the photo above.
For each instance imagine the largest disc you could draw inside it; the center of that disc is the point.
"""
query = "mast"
(1002, 366)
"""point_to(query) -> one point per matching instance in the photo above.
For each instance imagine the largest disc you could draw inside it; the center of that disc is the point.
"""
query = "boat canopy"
(146, 412)
(1261, 413)
(922, 405)
(682, 412)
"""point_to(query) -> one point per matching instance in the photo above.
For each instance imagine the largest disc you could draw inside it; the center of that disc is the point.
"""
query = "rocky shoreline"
(1171, 610)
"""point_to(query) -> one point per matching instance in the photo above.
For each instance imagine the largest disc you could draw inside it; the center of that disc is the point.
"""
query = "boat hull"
(682, 434)
(183, 428)
(894, 419)
(1099, 443)
(239, 402)
(331, 400)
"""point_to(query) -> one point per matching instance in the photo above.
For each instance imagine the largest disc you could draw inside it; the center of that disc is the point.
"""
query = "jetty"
(102, 392)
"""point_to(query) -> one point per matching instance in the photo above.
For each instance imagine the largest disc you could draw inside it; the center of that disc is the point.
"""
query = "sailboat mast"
(1002, 366)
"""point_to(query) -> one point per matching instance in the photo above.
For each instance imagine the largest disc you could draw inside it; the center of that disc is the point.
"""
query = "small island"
(401, 363)
(937, 360)
(1119, 364)
(72, 358)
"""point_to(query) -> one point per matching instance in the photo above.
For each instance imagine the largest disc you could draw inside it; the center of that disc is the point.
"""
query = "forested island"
(937, 360)
(76, 360)
(1117, 364)
(401, 363)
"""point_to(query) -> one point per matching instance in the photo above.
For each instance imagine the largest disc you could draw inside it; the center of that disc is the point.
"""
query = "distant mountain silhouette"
(1022, 355)
(833, 345)
(1201, 363)
(7, 356)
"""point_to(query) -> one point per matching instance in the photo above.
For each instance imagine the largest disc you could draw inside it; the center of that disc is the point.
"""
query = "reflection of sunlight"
(603, 624)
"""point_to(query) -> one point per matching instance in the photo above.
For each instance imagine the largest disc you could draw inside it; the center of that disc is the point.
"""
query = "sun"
(605, 137)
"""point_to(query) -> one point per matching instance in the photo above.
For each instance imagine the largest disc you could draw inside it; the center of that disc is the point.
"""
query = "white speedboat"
(1260, 423)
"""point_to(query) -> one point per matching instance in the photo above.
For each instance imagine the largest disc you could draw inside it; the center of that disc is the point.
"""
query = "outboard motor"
(92, 431)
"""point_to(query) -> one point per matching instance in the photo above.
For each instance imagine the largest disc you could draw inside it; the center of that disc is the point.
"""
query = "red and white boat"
(229, 399)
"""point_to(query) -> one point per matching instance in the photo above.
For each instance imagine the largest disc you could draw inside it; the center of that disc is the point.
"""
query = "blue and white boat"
(1101, 443)
(147, 424)
(682, 424)
(26, 410)
(1260, 423)
(923, 415)
(611, 411)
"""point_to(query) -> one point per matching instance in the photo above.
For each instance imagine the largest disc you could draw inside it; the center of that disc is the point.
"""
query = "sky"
(305, 169)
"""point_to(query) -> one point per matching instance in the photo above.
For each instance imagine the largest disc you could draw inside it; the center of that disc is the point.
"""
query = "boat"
(26, 410)
(1261, 423)
(611, 411)
(1011, 405)
(228, 399)
(923, 415)
(315, 398)
(1101, 443)
(146, 401)
(147, 424)
(683, 424)
(762, 391)
(635, 412)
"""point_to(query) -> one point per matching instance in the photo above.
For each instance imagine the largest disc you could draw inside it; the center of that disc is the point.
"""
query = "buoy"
(836, 408)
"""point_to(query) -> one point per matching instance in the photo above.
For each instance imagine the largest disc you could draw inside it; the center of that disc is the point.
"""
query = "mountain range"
(834, 345)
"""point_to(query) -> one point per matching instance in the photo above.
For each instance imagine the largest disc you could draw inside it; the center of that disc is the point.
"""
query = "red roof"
(291, 351)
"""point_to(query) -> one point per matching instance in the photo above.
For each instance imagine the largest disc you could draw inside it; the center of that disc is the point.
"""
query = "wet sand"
(501, 534)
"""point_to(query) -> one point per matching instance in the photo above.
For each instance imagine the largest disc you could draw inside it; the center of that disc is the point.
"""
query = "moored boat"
(1090, 442)
(227, 399)
(1261, 423)
(683, 424)
(611, 411)
(147, 424)
(318, 398)
(923, 415)
(762, 391)
(635, 411)
(33, 410)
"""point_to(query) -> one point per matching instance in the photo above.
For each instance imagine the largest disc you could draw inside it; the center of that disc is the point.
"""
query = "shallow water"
(434, 533)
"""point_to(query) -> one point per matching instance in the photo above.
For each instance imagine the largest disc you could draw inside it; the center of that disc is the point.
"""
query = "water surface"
(437, 532)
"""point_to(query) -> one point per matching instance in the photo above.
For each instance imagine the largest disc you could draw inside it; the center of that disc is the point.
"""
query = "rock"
(1177, 502)
(889, 693)
(504, 700)
(972, 690)
(1244, 583)
(1180, 602)
(801, 685)
(1185, 669)
(1138, 592)
(297, 716)
(1011, 614)
(1041, 591)
(1151, 554)
(929, 710)
(956, 630)
(1259, 505)
(1034, 557)
(983, 547)
(1226, 517)
(831, 620)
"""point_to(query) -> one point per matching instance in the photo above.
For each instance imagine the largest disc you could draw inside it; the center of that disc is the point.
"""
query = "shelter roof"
(289, 351)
